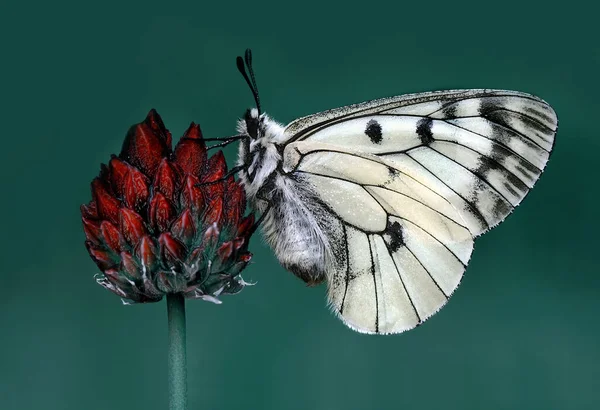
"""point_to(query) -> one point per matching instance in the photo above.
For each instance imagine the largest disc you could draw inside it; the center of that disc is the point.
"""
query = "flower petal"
(235, 203)
(214, 211)
(190, 152)
(89, 211)
(130, 266)
(161, 213)
(184, 228)
(216, 168)
(110, 234)
(107, 205)
(118, 170)
(136, 189)
(225, 250)
(156, 123)
(172, 252)
(191, 195)
(147, 254)
(91, 228)
(146, 144)
(103, 258)
(167, 180)
(131, 226)
(245, 226)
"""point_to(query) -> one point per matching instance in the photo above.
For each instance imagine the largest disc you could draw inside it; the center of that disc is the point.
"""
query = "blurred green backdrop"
(522, 332)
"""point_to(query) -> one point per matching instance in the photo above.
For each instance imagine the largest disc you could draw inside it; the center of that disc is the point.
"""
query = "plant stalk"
(177, 352)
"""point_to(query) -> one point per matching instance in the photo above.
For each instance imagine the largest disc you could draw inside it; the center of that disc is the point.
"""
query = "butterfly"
(382, 200)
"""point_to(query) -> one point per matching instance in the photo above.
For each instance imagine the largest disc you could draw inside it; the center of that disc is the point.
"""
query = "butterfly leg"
(231, 172)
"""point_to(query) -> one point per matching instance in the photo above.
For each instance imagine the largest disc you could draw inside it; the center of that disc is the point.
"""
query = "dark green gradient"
(522, 331)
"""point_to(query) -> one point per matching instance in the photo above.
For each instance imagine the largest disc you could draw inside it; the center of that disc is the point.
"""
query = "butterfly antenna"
(250, 80)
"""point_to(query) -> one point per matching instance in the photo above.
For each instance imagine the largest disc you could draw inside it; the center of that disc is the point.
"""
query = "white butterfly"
(383, 199)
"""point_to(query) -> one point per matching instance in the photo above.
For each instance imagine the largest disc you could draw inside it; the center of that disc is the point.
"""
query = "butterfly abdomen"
(295, 232)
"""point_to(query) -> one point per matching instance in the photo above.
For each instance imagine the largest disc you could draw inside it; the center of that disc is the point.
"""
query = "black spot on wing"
(449, 111)
(488, 164)
(373, 131)
(393, 236)
(424, 130)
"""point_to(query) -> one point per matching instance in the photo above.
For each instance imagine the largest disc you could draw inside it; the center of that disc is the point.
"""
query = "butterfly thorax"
(289, 206)
(259, 154)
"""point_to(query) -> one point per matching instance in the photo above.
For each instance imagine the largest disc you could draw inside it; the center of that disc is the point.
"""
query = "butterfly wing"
(411, 181)
(481, 149)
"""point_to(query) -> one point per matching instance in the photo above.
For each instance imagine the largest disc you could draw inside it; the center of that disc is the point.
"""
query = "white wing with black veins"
(413, 179)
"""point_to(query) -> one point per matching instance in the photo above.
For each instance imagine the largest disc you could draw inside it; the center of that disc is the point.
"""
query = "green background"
(522, 332)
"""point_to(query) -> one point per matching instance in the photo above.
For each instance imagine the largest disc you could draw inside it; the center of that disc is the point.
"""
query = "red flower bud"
(155, 225)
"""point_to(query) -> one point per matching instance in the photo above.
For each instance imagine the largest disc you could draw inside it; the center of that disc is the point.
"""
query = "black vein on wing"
(421, 228)
(387, 189)
(428, 273)
(498, 141)
(309, 130)
(347, 268)
(471, 205)
(481, 178)
(375, 285)
(500, 167)
(379, 161)
(402, 281)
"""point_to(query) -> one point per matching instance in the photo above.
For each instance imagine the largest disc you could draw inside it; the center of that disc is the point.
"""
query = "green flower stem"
(177, 354)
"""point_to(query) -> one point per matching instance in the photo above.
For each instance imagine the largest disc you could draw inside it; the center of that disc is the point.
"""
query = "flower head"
(167, 221)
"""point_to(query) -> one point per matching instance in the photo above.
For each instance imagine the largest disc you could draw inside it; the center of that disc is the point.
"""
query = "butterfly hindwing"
(404, 247)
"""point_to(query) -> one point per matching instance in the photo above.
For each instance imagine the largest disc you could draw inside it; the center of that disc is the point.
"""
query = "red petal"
(89, 211)
(216, 167)
(172, 251)
(216, 171)
(130, 266)
(161, 212)
(246, 257)
(157, 124)
(190, 152)
(110, 234)
(103, 258)
(245, 226)
(225, 250)
(123, 287)
(146, 252)
(92, 230)
(238, 243)
(183, 228)
(146, 144)
(191, 195)
(136, 189)
(214, 212)
(131, 226)
(235, 203)
(108, 207)
(167, 179)
(118, 172)
(211, 237)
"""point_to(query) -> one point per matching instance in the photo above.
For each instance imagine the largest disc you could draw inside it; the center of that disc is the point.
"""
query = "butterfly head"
(253, 124)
